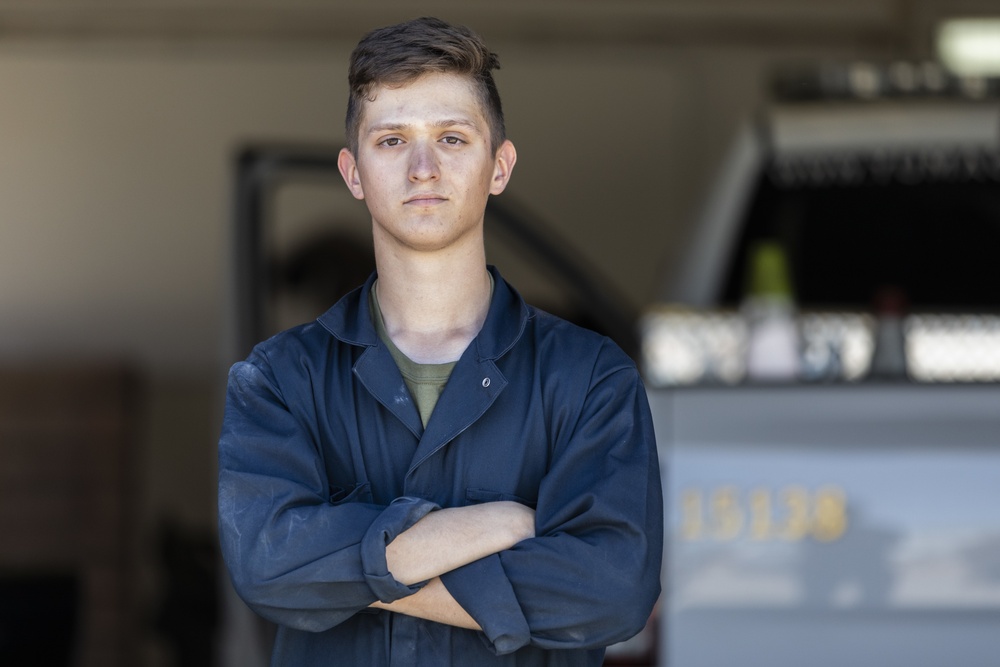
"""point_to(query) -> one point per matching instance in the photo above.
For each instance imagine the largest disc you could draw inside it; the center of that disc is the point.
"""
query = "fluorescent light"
(970, 47)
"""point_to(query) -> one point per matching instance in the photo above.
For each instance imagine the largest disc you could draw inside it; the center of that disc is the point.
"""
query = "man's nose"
(423, 162)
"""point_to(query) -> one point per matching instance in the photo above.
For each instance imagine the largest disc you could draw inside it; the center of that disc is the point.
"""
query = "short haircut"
(396, 55)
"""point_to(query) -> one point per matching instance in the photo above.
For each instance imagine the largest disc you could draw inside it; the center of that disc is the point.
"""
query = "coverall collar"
(350, 319)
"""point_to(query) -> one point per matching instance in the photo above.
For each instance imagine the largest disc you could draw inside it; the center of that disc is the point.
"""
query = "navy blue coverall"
(323, 460)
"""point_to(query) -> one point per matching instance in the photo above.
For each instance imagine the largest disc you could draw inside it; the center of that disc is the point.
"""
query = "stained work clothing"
(323, 460)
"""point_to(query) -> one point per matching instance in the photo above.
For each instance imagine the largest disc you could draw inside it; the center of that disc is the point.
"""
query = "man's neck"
(433, 309)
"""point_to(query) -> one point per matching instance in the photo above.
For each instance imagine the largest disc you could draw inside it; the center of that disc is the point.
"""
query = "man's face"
(424, 165)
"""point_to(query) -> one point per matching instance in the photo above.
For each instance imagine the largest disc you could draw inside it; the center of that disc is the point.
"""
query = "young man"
(433, 472)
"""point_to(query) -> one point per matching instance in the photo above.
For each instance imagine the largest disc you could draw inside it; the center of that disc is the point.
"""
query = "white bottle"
(769, 309)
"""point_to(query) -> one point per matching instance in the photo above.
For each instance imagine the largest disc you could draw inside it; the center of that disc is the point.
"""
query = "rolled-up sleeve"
(486, 593)
(591, 576)
(397, 517)
(294, 555)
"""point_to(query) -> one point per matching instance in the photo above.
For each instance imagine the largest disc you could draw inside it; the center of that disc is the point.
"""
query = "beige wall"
(114, 191)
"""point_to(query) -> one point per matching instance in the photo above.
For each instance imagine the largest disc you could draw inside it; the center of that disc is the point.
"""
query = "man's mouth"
(425, 199)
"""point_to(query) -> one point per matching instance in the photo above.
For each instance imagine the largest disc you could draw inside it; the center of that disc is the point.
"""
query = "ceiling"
(904, 26)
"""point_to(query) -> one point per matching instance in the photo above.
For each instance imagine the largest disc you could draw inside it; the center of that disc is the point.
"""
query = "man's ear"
(503, 165)
(348, 167)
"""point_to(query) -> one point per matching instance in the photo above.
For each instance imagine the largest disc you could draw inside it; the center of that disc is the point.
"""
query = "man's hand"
(452, 537)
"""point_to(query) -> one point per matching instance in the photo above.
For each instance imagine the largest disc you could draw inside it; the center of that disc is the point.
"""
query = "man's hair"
(398, 54)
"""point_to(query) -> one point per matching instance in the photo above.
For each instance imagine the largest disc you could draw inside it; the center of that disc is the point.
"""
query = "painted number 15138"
(790, 513)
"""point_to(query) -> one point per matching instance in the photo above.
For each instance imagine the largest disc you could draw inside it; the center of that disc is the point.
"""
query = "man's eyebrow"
(387, 127)
(460, 122)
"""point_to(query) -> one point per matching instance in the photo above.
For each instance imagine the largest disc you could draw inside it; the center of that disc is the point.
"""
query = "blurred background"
(787, 211)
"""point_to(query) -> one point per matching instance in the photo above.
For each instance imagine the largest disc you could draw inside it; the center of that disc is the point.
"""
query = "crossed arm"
(445, 540)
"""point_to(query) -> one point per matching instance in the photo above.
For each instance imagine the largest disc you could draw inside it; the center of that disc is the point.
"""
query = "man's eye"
(390, 141)
(454, 141)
